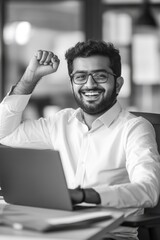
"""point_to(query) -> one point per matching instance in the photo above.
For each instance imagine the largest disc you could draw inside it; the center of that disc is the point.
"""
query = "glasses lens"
(79, 78)
(100, 77)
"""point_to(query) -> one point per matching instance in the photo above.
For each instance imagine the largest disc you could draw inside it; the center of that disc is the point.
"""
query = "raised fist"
(43, 63)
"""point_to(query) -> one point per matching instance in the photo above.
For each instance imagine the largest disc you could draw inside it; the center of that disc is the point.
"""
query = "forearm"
(13, 105)
(26, 85)
(131, 195)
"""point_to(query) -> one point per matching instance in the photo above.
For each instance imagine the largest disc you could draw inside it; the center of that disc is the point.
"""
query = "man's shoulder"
(132, 120)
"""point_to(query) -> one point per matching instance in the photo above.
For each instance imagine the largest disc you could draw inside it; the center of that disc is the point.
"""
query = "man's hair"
(92, 48)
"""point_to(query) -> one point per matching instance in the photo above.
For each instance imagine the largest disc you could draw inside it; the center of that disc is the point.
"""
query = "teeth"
(91, 93)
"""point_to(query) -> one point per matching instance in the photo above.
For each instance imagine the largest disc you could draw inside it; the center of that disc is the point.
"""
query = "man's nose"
(90, 81)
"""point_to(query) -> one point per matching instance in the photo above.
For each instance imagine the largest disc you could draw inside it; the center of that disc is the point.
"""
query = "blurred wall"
(57, 25)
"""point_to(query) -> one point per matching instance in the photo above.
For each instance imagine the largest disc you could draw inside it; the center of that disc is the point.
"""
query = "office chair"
(149, 223)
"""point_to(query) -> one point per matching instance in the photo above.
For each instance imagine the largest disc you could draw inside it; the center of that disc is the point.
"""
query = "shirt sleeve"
(15, 133)
(143, 167)
(11, 109)
(29, 134)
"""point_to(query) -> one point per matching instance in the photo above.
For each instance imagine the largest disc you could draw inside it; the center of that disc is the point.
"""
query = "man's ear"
(119, 84)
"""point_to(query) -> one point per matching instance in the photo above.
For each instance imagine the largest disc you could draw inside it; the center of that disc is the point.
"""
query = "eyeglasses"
(100, 76)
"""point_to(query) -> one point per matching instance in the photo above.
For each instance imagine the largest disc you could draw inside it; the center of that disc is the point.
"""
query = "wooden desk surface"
(88, 232)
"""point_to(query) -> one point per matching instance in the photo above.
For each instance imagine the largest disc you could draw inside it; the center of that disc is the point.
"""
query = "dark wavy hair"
(92, 48)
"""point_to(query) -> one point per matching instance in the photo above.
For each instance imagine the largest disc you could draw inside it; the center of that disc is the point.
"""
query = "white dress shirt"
(117, 157)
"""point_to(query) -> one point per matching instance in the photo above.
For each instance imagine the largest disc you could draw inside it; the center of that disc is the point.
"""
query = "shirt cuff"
(107, 196)
(16, 103)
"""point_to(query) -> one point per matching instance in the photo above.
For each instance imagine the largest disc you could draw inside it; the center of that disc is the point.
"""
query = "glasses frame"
(91, 74)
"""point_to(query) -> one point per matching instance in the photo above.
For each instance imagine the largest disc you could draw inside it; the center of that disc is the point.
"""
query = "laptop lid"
(33, 177)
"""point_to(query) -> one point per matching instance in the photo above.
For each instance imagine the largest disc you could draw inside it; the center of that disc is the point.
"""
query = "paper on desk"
(79, 218)
(49, 224)
(11, 237)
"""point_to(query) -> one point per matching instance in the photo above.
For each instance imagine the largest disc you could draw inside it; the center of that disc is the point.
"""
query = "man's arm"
(42, 64)
(143, 166)
(12, 106)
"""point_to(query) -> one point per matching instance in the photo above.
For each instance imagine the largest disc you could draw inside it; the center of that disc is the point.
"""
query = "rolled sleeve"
(11, 109)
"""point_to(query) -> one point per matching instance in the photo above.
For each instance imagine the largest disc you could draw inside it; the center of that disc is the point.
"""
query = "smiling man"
(95, 86)
(109, 155)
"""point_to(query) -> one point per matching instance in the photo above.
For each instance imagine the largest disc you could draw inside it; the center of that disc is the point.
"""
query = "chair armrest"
(145, 220)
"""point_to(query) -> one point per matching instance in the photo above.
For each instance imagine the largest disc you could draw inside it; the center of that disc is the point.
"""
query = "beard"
(94, 108)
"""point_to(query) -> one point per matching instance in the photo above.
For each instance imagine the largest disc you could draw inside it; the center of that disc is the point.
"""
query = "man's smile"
(91, 94)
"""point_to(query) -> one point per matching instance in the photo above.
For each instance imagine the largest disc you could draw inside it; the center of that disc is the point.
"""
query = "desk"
(92, 232)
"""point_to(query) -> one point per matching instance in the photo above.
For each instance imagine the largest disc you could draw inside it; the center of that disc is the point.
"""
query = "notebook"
(33, 177)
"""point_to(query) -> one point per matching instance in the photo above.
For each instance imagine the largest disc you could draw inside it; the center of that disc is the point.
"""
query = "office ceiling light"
(146, 18)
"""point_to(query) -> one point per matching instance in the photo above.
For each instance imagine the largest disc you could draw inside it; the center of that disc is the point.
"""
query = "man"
(109, 155)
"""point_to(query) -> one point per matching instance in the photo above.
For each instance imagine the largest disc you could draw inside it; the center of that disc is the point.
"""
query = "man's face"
(94, 98)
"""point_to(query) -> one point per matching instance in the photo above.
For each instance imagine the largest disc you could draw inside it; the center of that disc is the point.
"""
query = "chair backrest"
(154, 118)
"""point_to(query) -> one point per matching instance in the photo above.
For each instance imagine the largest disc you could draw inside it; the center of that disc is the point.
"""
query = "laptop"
(34, 178)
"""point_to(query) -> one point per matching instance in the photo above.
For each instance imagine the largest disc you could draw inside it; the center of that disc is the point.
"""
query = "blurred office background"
(55, 25)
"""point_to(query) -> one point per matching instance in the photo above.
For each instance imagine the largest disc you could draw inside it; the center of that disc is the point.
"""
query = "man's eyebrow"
(80, 71)
(96, 70)
(100, 70)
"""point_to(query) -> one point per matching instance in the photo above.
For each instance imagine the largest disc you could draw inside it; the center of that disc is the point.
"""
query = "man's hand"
(76, 195)
(88, 195)
(43, 63)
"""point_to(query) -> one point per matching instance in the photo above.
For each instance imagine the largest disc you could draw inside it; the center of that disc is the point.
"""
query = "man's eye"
(80, 76)
(100, 75)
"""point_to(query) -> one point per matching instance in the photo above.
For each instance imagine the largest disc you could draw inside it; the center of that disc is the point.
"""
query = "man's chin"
(91, 107)
(92, 110)
(96, 109)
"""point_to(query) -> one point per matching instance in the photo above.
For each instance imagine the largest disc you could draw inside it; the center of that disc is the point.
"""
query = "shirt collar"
(77, 114)
(107, 118)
